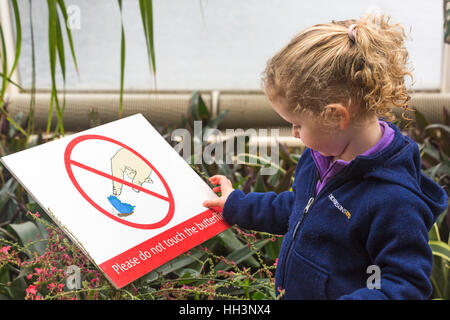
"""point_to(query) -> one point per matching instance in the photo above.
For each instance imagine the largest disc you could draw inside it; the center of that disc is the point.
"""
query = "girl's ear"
(338, 113)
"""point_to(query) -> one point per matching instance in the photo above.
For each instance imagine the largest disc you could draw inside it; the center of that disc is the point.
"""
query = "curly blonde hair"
(322, 65)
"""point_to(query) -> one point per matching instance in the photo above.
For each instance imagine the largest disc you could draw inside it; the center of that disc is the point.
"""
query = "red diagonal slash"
(69, 163)
(103, 174)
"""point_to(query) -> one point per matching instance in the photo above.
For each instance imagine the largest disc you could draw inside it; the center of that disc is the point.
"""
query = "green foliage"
(36, 267)
(434, 146)
(446, 21)
(440, 276)
(57, 59)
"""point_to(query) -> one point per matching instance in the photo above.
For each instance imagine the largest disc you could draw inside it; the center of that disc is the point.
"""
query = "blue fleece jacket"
(376, 211)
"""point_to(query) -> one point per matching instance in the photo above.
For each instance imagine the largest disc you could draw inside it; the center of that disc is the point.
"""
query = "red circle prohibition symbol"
(69, 163)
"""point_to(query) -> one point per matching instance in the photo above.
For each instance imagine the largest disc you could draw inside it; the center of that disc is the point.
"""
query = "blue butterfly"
(124, 209)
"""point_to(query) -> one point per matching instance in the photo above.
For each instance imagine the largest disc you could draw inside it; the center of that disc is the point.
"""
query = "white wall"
(214, 44)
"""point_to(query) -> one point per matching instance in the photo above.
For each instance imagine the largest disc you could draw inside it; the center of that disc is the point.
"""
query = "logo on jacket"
(339, 206)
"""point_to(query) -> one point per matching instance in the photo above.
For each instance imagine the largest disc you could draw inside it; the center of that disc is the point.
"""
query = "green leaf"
(4, 77)
(240, 255)
(285, 154)
(259, 185)
(193, 106)
(241, 181)
(10, 81)
(54, 40)
(4, 60)
(440, 249)
(4, 278)
(231, 241)
(438, 126)
(60, 47)
(258, 295)
(421, 121)
(122, 60)
(254, 160)
(9, 188)
(174, 265)
(273, 248)
(62, 61)
(286, 181)
(17, 289)
(28, 232)
(12, 129)
(62, 6)
(203, 112)
(432, 172)
(443, 169)
(434, 233)
(31, 118)
(441, 218)
(274, 179)
(295, 157)
(15, 8)
(24, 271)
(146, 9)
(429, 150)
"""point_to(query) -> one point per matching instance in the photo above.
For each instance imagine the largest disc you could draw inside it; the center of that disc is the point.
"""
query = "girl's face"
(313, 135)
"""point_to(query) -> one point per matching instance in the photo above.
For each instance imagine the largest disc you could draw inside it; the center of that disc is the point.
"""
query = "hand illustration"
(126, 162)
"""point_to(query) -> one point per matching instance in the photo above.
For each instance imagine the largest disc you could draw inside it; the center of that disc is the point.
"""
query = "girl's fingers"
(216, 178)
(211, 203)
(224, 185)
(220, 179)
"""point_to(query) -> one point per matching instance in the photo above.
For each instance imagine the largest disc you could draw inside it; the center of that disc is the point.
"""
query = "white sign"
(122, 193)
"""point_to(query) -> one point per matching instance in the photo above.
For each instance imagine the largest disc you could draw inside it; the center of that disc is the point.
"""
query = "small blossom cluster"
(219, 276)
(173, 290)
(46, 273)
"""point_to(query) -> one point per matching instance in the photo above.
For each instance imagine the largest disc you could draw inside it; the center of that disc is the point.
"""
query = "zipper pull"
(305, 211)
(310, 201)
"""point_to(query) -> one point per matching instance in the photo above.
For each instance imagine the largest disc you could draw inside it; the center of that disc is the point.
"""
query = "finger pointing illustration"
(125, 162)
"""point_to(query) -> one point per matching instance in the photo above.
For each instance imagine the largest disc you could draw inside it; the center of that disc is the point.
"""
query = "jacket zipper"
(306, 209)
(312, 198)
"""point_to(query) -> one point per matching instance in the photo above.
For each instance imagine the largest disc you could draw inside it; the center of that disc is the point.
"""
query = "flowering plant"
(32, 273)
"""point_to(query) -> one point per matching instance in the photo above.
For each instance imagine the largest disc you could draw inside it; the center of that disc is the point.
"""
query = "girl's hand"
(225, 186)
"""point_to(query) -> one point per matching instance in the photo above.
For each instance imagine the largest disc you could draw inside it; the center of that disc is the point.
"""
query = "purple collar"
(328, 169)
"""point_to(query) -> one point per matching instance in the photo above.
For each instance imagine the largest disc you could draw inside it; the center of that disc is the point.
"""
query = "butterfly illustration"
(124, 209)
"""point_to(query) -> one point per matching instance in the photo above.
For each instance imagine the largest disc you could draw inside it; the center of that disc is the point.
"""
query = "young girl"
(356, 222)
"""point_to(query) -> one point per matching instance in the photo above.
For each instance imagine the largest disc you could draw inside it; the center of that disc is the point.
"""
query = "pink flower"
(5, 249)
(31, 289)
(36, 214)
(38, 270)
